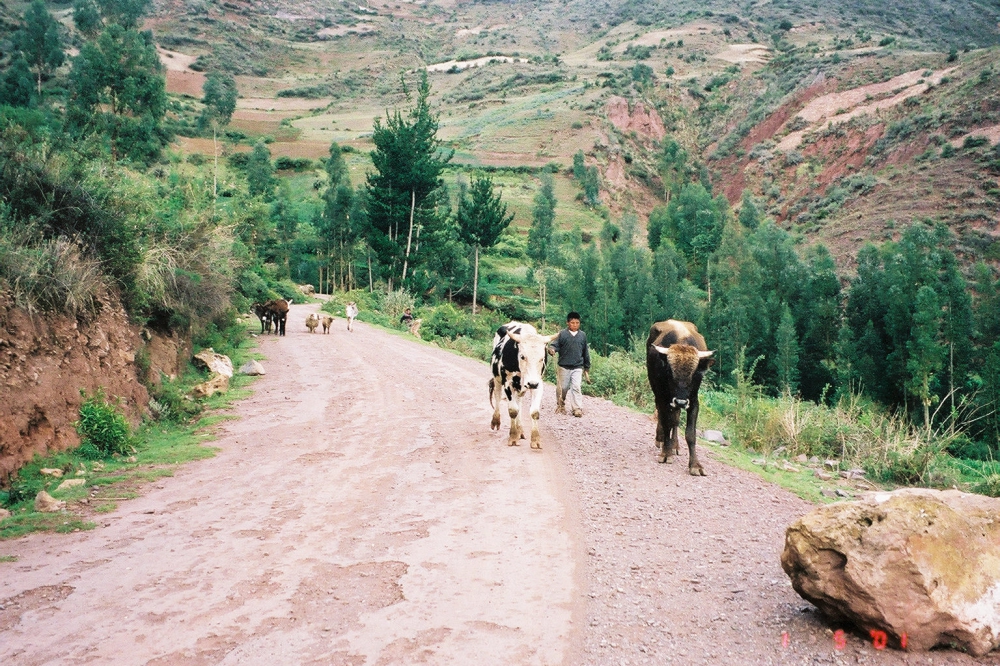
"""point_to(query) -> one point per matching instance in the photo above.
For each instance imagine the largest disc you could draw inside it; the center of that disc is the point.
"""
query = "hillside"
(831, 115)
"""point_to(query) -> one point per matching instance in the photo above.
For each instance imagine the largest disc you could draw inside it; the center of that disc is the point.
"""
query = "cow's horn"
(550, 338)
(516, 337)
(662, 350)
(705, 354)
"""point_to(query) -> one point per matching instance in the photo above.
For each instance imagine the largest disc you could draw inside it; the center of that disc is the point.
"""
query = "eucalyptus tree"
(219, 97)
(39, 41)
(118, 91)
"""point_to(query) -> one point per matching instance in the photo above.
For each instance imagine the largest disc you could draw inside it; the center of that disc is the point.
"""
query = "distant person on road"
(574, 365)
(352, 312)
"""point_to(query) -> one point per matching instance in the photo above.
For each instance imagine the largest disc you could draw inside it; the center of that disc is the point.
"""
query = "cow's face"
(687, 366)
(531, 357)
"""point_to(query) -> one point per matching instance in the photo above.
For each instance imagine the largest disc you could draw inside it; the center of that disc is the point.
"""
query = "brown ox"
(327, 320)
(676, 361)
(312, 321)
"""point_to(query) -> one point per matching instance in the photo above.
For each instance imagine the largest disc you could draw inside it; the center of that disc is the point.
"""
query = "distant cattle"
(312, 321)
(327, 320)
(274, 313)
(264, 314)
(518, 365)
(676, 361)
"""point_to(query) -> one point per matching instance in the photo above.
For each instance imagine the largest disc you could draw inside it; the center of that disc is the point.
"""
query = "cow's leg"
(666, 434)
(514, 409)
(536, 408)
(496, 393)
(691, 435)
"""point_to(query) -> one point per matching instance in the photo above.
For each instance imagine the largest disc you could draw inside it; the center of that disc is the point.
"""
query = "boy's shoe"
(577, 412)
(560, 409)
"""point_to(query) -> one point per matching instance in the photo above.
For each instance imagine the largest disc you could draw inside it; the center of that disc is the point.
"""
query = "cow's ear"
(662, 350)
(705, 360)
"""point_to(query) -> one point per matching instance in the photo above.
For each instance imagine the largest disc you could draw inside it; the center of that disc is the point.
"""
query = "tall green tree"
(118, 91)
(219, 96)
(125, 13)
(336, 167)
(482, 217)
(408, 159)
(286, 222)
(39, 41)
(786, 353)
(260, 172)
(87, 17)
(925, 352)
(750, 216)
(16, 85)
(543, 216)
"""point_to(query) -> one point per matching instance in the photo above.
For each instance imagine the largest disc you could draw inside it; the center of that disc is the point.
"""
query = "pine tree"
(408, 160)
(482, 217)
(39, 41)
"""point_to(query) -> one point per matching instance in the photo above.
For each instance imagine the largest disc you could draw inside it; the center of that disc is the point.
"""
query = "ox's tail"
(492, 388)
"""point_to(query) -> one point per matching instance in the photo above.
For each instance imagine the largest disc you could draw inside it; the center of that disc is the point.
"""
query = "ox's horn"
(662, 350)
(705, 354)
(550, 338)
(516, 337)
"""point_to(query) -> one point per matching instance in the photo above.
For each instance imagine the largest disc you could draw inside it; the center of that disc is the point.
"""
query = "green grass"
(8, 558)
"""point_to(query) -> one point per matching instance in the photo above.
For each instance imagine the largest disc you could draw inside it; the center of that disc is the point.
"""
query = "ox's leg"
(496, 394)
(536, 408)
(666, 433)
(691, 435)
(514, 409)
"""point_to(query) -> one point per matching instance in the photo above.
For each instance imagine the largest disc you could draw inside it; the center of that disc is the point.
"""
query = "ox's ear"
(662, 350)
(705, 360)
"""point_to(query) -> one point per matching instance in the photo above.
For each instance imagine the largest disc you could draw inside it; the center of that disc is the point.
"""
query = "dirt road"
(361, 512)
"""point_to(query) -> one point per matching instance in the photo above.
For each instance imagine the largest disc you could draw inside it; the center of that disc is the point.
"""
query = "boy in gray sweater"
(574, 364)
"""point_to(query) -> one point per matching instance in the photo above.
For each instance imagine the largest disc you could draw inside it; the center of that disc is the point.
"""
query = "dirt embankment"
(45, 362)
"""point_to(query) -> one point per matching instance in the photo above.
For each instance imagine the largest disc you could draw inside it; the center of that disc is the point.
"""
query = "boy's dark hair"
(573, 315)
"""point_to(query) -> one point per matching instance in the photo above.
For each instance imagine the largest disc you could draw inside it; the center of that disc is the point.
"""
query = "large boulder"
(924, 564)
(220, 363)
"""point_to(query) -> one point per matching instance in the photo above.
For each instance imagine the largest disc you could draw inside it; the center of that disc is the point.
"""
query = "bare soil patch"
(358, 516)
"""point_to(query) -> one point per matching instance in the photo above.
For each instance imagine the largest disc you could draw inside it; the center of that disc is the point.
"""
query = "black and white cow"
(519, 355)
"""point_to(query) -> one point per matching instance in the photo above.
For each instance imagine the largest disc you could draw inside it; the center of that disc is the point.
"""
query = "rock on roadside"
(217, 384)
(219, 363)
(252, 368)
(45, 503)
(915, 562)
